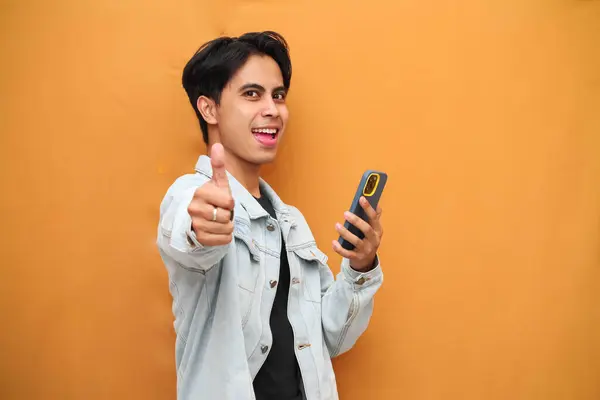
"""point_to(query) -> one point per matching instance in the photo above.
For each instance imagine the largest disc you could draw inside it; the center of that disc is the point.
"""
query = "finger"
(349, 254)
(364, 203)
(210, 227)
(349, 236)
(210, 239)
(215, 197)
(207, 212)
(217, 161)
(371, 213)
(360, 224)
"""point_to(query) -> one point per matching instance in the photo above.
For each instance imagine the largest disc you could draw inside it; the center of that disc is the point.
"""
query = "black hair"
(215, 62)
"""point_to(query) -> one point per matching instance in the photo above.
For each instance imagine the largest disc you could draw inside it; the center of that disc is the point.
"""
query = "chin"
(263, 157)
(266, 159)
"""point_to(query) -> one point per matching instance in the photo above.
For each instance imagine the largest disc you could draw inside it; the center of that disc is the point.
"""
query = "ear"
(208, 109)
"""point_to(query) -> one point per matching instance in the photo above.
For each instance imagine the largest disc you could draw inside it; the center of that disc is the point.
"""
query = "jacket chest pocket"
(311, 261)
(247, 268)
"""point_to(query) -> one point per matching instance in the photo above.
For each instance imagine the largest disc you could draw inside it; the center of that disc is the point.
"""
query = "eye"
(251, 93)
(279, 96)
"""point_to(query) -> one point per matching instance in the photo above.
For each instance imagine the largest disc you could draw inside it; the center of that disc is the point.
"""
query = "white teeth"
(267, 131)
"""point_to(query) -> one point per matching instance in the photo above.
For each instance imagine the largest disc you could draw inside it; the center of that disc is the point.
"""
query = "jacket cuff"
(361, 279)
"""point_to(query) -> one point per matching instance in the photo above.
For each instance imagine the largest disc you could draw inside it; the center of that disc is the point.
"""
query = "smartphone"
(371, 186)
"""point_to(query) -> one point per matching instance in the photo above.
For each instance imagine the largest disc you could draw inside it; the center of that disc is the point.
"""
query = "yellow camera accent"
(370, 188)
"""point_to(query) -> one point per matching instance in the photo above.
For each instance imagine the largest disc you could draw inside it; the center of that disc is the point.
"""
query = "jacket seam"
(354, 307)
(195, 270)
(180, 311)
(303, 246)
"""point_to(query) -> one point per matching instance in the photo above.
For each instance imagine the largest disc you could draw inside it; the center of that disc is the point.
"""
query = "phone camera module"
(371, 182)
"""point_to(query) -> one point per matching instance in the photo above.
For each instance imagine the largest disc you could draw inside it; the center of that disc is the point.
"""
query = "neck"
(247, 174)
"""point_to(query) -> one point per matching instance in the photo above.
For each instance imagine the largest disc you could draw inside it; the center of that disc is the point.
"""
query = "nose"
(270, 109)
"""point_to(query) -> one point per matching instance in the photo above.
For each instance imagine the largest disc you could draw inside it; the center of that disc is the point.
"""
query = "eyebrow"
(260, 88)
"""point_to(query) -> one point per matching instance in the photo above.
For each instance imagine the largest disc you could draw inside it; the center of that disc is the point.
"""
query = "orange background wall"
(485, 114)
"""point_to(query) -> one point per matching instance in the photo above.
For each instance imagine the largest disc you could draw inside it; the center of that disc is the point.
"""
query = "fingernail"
(338, 225)
(346, 214)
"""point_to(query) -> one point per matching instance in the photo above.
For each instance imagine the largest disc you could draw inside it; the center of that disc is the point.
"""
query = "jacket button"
(264, 348)
(270, 228)
(361, 280)
(295, 281)
(273, 283)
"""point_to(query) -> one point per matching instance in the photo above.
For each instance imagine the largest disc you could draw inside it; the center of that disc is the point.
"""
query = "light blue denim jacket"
(222, 296)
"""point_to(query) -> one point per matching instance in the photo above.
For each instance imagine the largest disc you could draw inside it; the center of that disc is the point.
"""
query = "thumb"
(217, 161)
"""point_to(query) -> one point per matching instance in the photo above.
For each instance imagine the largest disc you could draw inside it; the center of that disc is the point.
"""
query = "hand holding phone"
(361, 233)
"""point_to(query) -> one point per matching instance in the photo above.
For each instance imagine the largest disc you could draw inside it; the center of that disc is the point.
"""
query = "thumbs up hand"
(211, 208)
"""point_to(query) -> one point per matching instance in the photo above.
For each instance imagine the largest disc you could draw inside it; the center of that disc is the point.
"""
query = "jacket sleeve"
(176, 239)
(347, 304)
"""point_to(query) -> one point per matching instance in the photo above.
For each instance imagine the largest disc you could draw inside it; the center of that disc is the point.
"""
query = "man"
(258, 314)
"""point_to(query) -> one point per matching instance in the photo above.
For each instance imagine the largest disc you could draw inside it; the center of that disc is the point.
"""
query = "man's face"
(252, 113)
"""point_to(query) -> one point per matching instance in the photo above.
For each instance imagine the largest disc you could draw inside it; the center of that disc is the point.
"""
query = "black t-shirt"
(279, 377)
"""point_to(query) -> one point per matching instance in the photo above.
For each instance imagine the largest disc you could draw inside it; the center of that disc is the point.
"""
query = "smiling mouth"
(267, 137)
(266, 131)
